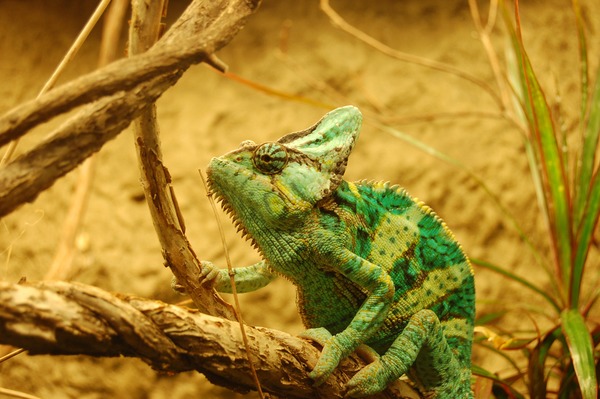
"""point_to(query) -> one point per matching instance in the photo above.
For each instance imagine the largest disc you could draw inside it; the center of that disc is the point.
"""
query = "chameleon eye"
(270, 158)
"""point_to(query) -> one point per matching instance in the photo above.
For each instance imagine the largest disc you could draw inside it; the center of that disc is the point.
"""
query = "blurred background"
(291, 48)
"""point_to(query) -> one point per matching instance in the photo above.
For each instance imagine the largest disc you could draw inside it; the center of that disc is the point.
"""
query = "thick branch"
(204, 28)
(126, 85)
(77, 139)
(71, 318)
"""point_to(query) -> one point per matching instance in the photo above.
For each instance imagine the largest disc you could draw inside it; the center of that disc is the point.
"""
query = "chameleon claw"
(368, 354)
(330, 355)
(366, 382)
(328, 361)
(319, 335)
(208, 273)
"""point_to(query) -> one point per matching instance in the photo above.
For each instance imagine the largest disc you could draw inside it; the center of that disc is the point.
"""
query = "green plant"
(570, 205)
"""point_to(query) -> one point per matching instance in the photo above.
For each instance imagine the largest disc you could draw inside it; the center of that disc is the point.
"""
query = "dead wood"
(156, 180)
(201, 30)
(61, 318)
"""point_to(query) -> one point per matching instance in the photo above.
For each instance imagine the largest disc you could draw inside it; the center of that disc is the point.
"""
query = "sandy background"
(205, 115)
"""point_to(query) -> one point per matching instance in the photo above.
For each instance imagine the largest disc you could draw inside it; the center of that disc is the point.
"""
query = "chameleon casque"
(371, 264)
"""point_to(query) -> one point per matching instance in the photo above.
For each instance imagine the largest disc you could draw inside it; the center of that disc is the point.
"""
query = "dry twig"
(61, 267)
(339, 22)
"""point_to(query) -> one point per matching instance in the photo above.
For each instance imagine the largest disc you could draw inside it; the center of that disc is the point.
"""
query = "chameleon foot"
(330, 355)
(320, 335)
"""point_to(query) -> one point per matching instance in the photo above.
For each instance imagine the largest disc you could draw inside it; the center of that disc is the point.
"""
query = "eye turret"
(270, 158)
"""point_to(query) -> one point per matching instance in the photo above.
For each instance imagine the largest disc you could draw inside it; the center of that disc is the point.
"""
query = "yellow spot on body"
(436, 284)
(275, 203)
(394, 236)
(379, 185)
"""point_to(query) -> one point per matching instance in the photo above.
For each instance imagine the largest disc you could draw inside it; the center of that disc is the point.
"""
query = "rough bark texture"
(70, 318)
(156, 180)
(128, 84)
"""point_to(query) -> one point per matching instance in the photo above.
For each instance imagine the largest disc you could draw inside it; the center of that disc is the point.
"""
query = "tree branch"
(61, 318)
(73, 142)
(201, 30)
(156, 179)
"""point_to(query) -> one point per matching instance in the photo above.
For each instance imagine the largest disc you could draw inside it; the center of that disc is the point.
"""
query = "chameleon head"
(275, 184)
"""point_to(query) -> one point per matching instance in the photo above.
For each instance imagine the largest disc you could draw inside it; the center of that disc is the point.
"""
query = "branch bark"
(156, 180)
(61, 318)
(201, 30)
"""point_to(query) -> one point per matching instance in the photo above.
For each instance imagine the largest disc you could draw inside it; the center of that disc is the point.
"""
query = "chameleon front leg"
(423, 346)
(247, 279)
(367, 320)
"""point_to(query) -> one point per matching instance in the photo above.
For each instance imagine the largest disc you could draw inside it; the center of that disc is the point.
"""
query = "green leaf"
(587, 205)
(584, 239)
(579, 341)
(582, 55)
(536, 369)
(590, 140)
(550, 161)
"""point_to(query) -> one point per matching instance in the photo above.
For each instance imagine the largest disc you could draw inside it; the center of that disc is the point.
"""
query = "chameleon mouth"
(216, 195)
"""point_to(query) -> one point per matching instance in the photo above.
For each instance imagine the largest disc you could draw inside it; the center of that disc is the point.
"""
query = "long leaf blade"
(590, 122)
(584, 238)
(551, 163)
(579, 341)
(518, 279)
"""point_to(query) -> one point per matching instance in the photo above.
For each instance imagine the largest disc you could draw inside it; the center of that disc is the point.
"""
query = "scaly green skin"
(372, 265)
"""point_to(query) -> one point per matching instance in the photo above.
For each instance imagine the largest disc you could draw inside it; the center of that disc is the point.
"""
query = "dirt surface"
(290, 47)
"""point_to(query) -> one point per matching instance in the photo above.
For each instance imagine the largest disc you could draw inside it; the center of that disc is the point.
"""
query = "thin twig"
(486, 41)
(237, 308)
(338, 21)
(17, 394)
(11, 354)
(60, 268)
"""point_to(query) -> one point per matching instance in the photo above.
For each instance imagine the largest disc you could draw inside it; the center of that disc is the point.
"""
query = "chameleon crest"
(371, 264)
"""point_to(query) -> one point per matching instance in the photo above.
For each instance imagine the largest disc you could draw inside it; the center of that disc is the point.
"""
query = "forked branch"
(204, 28)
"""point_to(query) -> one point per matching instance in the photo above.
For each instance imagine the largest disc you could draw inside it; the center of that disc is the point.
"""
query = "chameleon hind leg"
(422, 350)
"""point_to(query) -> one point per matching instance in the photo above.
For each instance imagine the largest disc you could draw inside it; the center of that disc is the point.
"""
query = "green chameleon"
(371, 264)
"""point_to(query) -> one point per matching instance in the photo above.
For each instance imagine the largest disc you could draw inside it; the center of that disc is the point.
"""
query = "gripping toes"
(328, 361)
(330, 356)
(368, 381)
(208, 272)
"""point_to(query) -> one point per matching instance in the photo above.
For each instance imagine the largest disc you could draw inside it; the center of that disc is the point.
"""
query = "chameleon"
(372, 265)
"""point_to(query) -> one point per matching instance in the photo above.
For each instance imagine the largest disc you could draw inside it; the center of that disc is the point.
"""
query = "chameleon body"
(371, 264)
